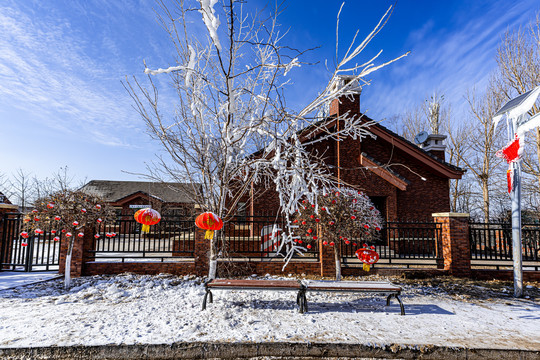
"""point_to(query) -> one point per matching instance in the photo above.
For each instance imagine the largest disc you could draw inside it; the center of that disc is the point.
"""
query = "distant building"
(129, 196)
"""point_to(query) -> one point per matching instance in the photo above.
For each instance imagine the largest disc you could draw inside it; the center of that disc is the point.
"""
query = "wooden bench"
(302, 287)
(378, 287)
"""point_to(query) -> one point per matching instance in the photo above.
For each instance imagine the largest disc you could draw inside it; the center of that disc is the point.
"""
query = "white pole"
(516, 222)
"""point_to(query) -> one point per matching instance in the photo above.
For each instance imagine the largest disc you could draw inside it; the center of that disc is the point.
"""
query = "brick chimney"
(350, 101)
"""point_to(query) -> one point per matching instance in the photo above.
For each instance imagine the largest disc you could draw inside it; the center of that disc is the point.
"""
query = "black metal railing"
(493, 241)
(259, 236)
(36, 253)
(172, 238)
(402, 240)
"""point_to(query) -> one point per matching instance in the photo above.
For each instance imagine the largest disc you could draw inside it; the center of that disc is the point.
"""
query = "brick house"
(129, 196)
(403, 180)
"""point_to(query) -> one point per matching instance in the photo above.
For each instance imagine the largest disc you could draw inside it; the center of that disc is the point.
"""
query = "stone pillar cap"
(451, 214)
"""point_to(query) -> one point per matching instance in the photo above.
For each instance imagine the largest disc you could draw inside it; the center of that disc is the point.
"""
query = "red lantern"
(367, 256)
(99, 220)
(50, 205)
(83, 211)
(80, 234)
(96, 236)
(210, 222)
(24, 244)
(75, 223)
(56, 238)
(24, 234)
(39, 231)
(69, 234)
(147, 217)
(57, 217)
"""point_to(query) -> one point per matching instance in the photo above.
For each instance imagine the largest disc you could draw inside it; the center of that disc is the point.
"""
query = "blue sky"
(62, 62)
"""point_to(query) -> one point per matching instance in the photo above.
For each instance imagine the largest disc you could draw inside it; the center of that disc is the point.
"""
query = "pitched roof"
(438, 165)
(4, 199)
(112, 191)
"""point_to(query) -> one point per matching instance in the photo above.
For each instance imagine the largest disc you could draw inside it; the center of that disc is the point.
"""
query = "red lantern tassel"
(209, 234)
(145, 228)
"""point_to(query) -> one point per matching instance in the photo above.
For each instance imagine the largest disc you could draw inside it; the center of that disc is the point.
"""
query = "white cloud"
(447, 60)
(45, 70)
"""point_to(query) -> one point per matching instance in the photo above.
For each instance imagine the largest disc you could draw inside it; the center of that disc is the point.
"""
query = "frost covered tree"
(342, 217)
(66, 214)
(229, 126)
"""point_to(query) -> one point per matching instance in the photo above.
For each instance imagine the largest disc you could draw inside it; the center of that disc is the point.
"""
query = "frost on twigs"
(230, 130)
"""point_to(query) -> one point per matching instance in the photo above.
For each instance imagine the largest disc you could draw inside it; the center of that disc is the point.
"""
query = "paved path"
(11, 279)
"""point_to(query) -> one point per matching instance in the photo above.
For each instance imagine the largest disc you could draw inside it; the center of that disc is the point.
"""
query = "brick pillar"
(76, 255)
(455, 242)
(327, 260)
(201, 253)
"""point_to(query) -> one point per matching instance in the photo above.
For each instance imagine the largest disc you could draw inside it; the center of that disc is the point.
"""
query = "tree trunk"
(337, 256)
(537, 132)
(67, 271)
(485, 196)
(212, 261)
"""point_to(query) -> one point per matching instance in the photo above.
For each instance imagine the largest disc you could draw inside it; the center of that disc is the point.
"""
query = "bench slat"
(255, 284)
(360, 286)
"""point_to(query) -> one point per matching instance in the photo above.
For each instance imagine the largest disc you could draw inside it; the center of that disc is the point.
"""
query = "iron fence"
(259, 236)
(402, 243)
(36, 253)
(493, 241)
(172, 238)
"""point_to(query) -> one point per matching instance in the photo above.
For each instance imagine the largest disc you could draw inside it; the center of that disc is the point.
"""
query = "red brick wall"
(418, 201)
(455, 243)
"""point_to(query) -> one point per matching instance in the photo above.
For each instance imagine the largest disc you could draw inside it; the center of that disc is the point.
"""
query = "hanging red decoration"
(57, 218)
(147, 217)
(24, 234)
(368, 256)
(210, 222)
(56, 238)
(510, 179)
(50, 205)
(511, 152)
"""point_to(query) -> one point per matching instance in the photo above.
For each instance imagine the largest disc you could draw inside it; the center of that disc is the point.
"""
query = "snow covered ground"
(134, 309)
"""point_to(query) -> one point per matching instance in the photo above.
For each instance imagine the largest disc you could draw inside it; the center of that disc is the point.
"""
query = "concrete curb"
(262, 350)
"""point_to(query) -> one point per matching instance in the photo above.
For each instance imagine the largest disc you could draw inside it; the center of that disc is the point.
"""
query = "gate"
(40, 254)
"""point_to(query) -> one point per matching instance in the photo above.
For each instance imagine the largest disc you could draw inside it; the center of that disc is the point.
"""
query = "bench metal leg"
(208, 295)
(398, 299)
(301, 300)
